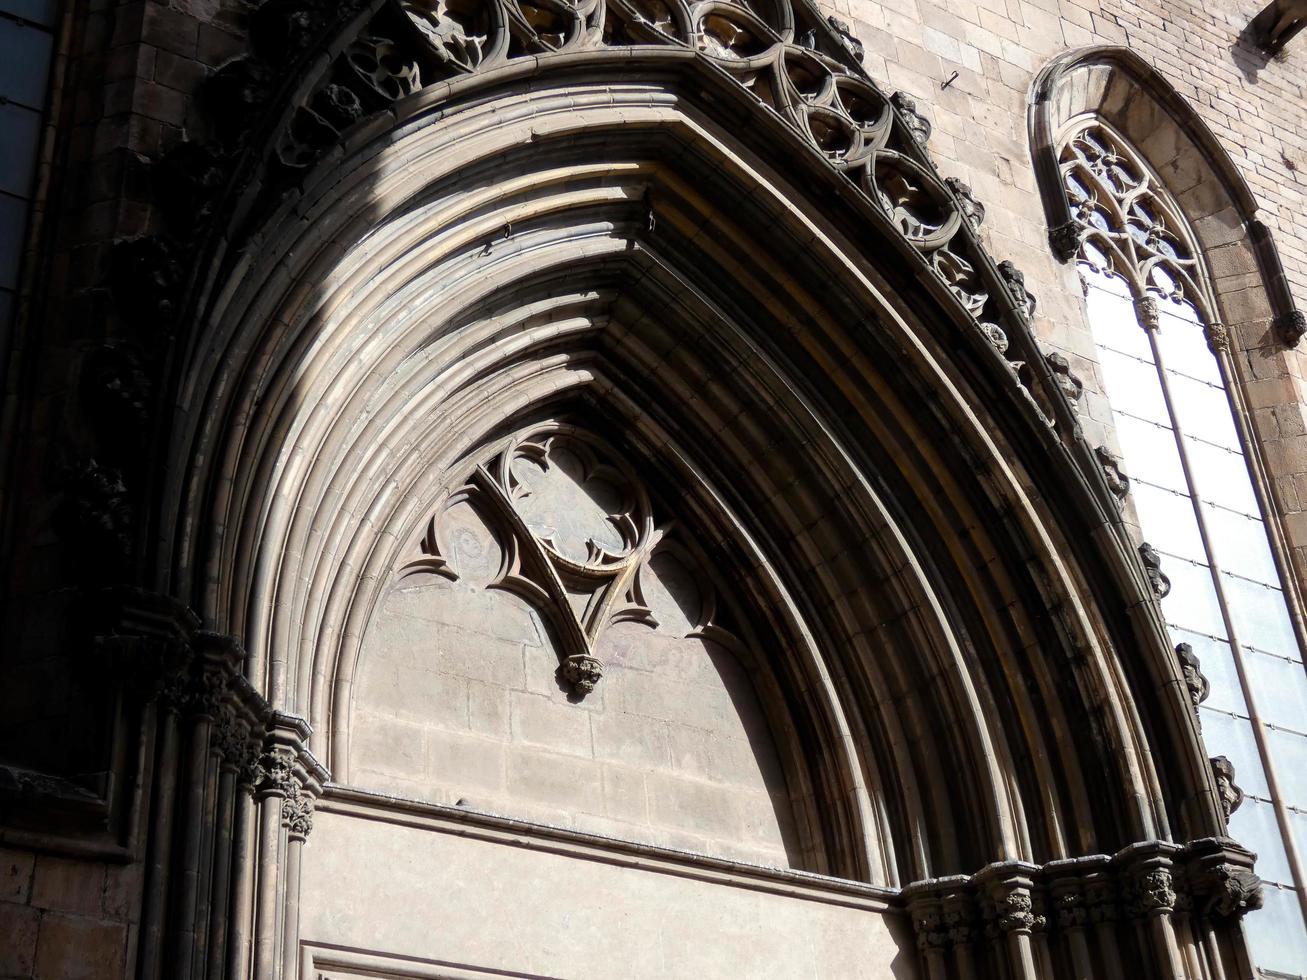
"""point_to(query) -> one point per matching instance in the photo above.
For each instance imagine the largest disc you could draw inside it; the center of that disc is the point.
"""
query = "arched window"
(1165, 367)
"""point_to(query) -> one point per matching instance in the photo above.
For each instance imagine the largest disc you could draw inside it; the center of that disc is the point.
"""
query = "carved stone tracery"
(577, 532)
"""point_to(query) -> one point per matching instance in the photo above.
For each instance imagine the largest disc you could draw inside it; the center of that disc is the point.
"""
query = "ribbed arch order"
(606, 248)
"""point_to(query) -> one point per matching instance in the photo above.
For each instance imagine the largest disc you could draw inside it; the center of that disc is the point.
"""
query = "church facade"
(651, 488)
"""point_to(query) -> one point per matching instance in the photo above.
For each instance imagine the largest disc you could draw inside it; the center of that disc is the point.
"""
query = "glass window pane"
(1259, 616)
(1168, 523)
(24, 62)
(1217, 664)
(1233, 738)
(1277, 934)
(1183, 345)
(13, 226)
(39, 11)
(1289, 756)
(1132, 386)
(1281, 689)
(1298, 822)
(1191, 603)
(1113, 318)
(1221, 476)
(21, 129)
(1203, 411)
(1240, 545)
(1149, 453)
(1254, 826)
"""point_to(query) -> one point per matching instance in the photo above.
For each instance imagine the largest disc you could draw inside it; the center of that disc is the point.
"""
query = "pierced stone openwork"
(1127, 224)
(574, 535)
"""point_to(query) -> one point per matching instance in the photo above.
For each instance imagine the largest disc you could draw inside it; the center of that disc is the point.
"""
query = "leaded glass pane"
(1150, 452)
(24, 62)
(1221, 476)
(1183, 345)
(1289, 757)
(1278, 937)
(1112, 313)
(1132, 387)
(21, 133)
(1233, 738)
(1168, 522)
(1192, 602)
(1254, 825)
(38, 11)
(1240, 545)
(1203, 411)
(1281, 687)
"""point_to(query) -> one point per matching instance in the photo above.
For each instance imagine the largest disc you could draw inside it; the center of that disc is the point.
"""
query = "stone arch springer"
(291, 387)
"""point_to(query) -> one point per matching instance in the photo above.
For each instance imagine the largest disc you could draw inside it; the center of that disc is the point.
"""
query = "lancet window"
(1164, 361)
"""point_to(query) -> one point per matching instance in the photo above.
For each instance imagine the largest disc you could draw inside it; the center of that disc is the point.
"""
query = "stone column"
(1150, 901)
(1008, 905)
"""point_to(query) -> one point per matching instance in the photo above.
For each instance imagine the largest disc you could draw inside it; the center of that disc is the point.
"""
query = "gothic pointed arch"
(700, 238)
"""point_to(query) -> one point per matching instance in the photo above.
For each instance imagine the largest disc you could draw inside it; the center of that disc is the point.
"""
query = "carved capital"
(1147, 312)
(1218, 338)
(1007, 898)
(1149, 880)
(297, 814)
(1221, 878)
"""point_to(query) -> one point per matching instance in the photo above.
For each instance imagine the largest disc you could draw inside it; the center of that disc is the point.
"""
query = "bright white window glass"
(1221, 475)
(1289, 752)
(1132, 386)
(1112, 313)
(1233, 738)
(1240, 545)
(1192, 602)
(1150, 448)
(1218, 667)
(1182, 343)
(1203, 409)
(1259, 615)
(1254, 825)
(1281, 687)
(1277, 934)
(1169, 520)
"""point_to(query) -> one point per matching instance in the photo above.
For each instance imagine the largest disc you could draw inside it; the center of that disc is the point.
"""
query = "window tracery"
(1164, 364)
(577, 540)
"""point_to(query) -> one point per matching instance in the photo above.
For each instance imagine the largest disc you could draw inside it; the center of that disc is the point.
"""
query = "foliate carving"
(297, 813)
(1194, 680)
(1218, 338)
(1234, 891)
(1227, 790)
(1070, 385)
(1291, 326)
(1117, 482)
(1152, 892)
(1147, 312)
(917, 124)
(851, 44)
(972, 210)
(1160, 584)
(1009, 907)
(1065, 240)
(276, 775)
